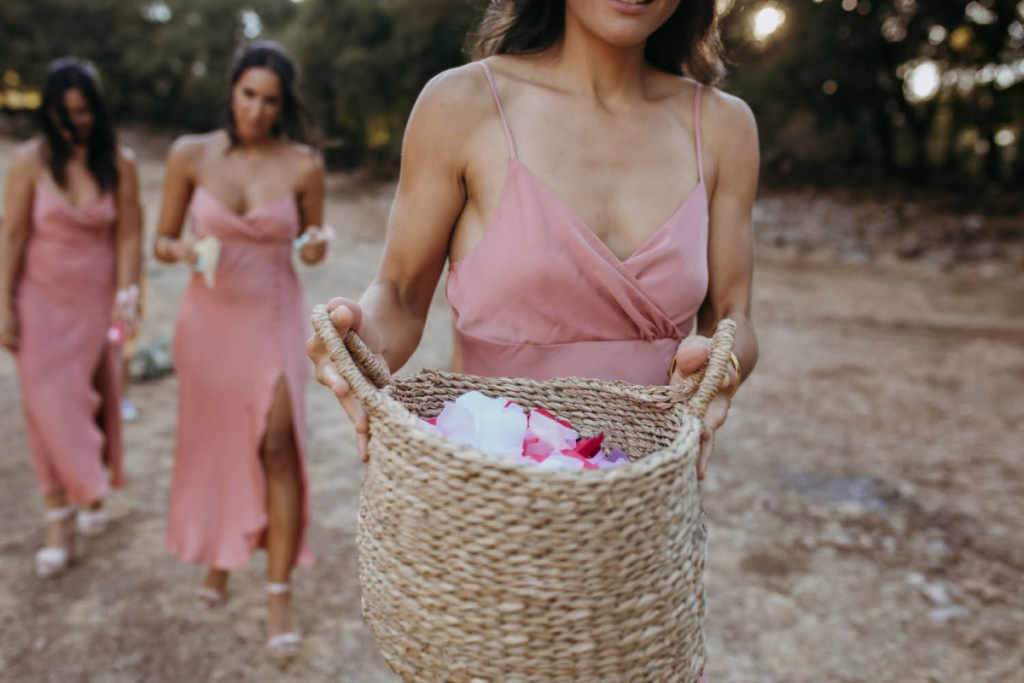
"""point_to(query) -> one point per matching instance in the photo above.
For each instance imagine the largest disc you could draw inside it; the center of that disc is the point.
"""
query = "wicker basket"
(475, 568)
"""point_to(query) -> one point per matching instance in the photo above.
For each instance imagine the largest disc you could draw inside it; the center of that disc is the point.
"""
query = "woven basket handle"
(363, 371)
(714, 372)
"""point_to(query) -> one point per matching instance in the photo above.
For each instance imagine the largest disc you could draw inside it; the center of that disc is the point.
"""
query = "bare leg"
(284, 505)
(216, 580)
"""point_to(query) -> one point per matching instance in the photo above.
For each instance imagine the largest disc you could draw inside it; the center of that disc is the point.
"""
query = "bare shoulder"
(192, 147)
(28, 157)
(187, 151)
(309, 160)
(454, 101)
(445, 122)
(727, 118)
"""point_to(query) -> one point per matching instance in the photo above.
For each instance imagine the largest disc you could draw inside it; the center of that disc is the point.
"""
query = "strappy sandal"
(283, 645)
(92, 522)
(52, 561)
(208, 598)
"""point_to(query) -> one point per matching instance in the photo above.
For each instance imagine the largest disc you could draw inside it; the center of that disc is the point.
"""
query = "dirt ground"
(864, 501)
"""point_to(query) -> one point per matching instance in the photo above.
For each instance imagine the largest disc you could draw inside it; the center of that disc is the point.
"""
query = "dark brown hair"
(268, 54)
(688, 43)
(70, 73)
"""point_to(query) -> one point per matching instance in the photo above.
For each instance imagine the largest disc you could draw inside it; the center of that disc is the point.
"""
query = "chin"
(253, 132)
(623, 29)
(624, 36)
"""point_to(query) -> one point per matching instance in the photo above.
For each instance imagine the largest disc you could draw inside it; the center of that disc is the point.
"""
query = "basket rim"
(684, 445)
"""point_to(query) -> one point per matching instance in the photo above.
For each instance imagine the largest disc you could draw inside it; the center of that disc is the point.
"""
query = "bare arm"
(179, 183)
(17, 215)
(731, 134)
(428, 203)
(129, 222)
(312, 188)
(731, 235)
(14, 228)
(431, 196)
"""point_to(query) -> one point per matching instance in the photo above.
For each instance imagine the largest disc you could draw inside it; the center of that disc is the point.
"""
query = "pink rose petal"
(545, 413)
(550, 431)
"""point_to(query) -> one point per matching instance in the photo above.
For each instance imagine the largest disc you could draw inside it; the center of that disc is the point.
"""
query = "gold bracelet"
(739, 375)
(735, 366)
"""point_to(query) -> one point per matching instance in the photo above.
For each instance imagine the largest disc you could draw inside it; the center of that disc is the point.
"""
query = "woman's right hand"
(184, 250)
(346, 315)
(176, 251)
(9, 328)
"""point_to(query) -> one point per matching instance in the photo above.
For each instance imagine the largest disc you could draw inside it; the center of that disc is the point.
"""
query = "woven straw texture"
(475, 568)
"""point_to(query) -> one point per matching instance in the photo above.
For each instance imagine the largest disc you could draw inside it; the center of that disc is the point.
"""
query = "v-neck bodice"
(542, 296)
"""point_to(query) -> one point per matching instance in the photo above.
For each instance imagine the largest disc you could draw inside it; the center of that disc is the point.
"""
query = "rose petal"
(549, 415)
(548, 430)
(457, 423)
(561, 462)
(589, 447)
(535, 447)
(430, 426)
(501, 433)
(617, 455)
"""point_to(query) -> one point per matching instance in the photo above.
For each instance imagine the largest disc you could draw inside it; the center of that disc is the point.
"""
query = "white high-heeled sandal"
(51, 561)
(92, 522)
(209, 598)
(285, 644)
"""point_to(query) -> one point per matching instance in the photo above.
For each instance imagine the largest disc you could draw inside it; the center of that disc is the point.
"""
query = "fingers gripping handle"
(363, 371)
(717, 366)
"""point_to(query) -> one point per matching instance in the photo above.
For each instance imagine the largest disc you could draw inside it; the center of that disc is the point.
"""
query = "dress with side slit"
(234, 344)
(70, 375)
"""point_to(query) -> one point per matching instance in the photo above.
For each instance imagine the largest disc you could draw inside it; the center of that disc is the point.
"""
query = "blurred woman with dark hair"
(255, 193)
(591, 193)
(69, 276)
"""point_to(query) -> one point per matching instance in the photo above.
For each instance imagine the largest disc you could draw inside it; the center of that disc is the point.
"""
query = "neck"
(603, 71)
(255, 142)
(78, 152)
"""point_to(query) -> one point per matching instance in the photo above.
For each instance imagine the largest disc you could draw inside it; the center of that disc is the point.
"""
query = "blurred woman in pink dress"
(69, 277)
(254, 194)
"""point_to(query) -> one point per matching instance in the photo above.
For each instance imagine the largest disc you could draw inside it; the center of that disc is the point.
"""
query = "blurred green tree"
(918, 89)
(909, 88)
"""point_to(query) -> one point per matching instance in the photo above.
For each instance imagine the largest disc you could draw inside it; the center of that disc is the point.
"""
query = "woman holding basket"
(593, 204)
(610, 251)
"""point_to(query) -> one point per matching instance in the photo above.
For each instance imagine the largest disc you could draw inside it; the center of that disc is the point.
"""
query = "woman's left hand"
(690, 357)
(315, 240)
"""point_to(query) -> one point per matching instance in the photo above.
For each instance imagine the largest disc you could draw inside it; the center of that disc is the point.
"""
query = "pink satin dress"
(232, 345)
(541, 295)
(70, 375)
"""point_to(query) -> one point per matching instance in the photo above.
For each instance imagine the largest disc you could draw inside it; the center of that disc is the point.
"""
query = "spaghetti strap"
(501, 113)
(696, 128)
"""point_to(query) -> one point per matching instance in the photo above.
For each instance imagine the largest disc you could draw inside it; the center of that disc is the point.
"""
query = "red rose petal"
(588, 448)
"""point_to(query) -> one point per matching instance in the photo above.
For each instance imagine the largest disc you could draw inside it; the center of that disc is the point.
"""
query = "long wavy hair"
(269, 54)
(71, 73)
(688, 43)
